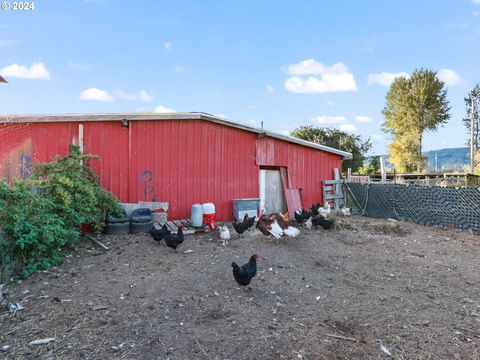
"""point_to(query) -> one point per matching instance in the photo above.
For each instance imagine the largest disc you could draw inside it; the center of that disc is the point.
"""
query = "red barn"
(180, 158)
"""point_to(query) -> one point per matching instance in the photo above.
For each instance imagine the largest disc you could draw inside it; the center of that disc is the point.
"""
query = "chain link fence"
(435, 205)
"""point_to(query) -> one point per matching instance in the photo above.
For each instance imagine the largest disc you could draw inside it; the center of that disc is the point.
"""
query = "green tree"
(336, 139)
(413, 105)
(473, 97)
(371, 166)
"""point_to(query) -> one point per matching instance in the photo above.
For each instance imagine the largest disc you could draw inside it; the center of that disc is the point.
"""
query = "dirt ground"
(336, 294)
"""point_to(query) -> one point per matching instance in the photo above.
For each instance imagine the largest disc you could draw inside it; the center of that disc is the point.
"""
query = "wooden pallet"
(188, 229)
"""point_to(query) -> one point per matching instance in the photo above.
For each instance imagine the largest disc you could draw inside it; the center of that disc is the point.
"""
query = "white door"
(272, 197)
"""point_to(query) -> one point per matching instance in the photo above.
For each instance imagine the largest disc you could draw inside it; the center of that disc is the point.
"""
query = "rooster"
(224, 234)
(174, 240)
(240, 227)
(159, 235)
(325, 210)
(245, 273)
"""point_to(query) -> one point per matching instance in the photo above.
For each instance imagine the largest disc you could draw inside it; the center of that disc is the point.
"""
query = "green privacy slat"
(426, 205)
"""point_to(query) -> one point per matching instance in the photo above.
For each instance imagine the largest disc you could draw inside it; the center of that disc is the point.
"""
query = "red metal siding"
(191, 161)
(178, 161)
(109, 140)
(306, 167)
(35, 142)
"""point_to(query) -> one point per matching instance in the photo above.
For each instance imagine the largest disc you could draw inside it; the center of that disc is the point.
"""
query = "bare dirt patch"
(335, 294)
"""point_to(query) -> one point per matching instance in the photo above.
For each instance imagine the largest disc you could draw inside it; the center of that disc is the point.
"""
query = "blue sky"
(286, 63)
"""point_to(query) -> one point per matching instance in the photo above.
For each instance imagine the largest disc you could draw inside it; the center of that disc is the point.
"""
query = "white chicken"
(325, 210)
(308, 224)
(346, 211)
(224, 234)
(278, 232)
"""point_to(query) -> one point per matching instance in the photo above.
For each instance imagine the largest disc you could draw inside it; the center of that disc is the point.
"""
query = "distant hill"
(448, 159)
(451, 159)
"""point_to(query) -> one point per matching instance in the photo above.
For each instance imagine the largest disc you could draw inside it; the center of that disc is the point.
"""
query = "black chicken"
(244, 274)
(301, 215)
(240, 228)
(174, 240)
(314, 209)
(159, 235)
(320, 220)
(249, 220)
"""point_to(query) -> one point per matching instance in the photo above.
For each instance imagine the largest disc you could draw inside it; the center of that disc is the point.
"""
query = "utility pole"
(472, 130)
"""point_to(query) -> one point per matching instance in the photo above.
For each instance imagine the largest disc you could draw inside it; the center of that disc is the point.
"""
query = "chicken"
(281, 219)
(249, 220)
(346, 211)
(325, 210)
(159, 235)
(320, 220)
(301, 215)
(224, 234)
(275, 225)
(240, 228)
(314, 209)
(308, 224)
(245, 273)
(174, 240)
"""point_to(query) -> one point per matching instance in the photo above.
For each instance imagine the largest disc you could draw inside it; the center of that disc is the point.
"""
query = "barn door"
(272, 196)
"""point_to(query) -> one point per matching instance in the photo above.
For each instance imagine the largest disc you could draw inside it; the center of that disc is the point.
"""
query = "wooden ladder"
(332, 190)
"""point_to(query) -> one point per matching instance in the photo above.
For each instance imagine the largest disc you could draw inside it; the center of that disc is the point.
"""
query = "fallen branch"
(103, 246)
(341, 337)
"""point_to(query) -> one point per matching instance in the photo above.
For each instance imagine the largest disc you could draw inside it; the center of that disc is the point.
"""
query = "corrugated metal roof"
(166, 116)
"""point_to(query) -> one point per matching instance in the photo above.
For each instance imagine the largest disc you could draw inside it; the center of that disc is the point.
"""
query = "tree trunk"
(419, 154)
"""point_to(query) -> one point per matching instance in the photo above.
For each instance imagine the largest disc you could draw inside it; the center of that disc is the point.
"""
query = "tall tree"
(336, 139)
(473, 97)
(413, 105)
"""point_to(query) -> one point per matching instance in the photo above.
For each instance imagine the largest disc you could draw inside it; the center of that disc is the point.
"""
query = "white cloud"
(163, 109)
(220, 116)
(96, 95)
(253, 122)
(37, 71)
(449, 77)
(384, 78)
(330, 119)
(142, 95)
(362, 118)
(167, 45)
(330, 103)
(476, 2)
(270, 88)
(285, 132)
(312, 67)
(476, 13)
(333, 78)
(348, 127)
(376, 136)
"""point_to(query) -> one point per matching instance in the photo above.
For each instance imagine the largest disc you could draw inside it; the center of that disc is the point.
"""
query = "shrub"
(42, 214)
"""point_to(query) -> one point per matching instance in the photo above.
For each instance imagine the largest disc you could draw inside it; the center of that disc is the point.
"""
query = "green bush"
(43, 213)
